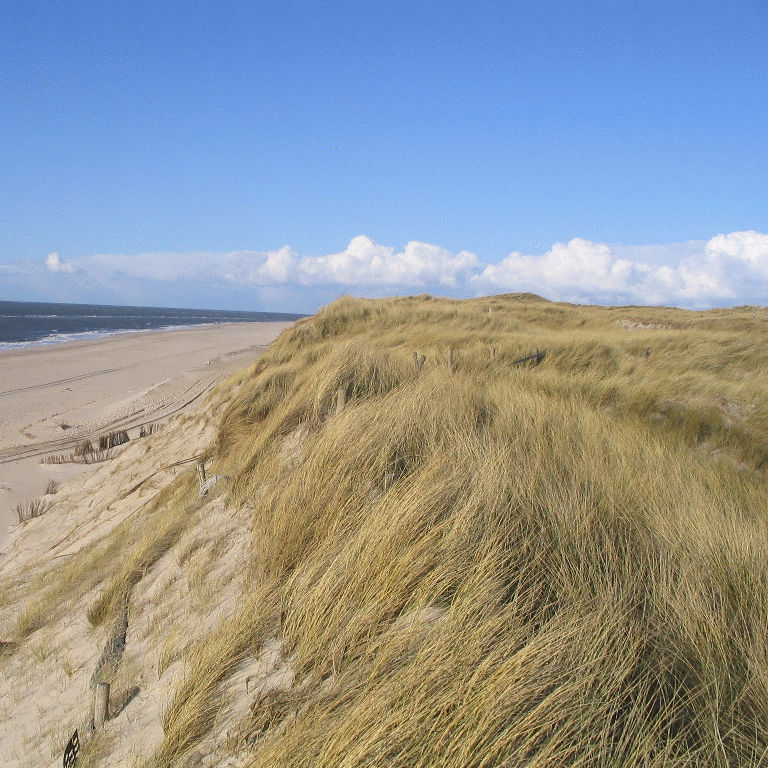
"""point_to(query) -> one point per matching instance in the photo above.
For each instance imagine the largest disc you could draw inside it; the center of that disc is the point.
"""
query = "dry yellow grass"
(591, 533)
(479, 564)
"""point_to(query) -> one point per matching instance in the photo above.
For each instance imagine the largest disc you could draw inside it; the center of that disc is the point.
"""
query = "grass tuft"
(26, 510)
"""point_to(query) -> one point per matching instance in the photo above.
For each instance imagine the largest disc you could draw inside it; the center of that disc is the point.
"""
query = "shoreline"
(95, 335)
(36, 347)
(84, 336)
(54, 395)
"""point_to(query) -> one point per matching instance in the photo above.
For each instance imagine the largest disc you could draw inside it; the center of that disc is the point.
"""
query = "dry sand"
(52, 397)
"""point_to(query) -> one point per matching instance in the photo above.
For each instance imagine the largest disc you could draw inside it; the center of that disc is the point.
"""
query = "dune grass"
(481, 564)
(473, 563)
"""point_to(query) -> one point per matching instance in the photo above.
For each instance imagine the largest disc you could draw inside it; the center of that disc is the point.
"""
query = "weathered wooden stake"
(100, 705)
(341, 399)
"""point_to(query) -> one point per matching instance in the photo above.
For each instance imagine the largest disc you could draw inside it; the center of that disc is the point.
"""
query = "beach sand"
(52, 397)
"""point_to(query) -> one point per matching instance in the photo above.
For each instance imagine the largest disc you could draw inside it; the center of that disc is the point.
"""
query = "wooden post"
(100, 705)
(341, 399)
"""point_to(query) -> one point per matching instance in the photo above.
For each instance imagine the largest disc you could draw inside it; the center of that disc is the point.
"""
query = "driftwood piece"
(534, 359)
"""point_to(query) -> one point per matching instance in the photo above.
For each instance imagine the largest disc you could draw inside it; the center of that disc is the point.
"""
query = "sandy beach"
(54, 396)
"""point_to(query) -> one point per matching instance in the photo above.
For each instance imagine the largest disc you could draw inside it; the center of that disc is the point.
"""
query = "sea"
(29, 324)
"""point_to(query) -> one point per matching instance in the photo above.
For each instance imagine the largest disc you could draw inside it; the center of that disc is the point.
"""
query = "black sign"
(72, 751)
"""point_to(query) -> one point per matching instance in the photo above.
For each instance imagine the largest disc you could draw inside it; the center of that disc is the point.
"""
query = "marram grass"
(485, 565)
(475, 564)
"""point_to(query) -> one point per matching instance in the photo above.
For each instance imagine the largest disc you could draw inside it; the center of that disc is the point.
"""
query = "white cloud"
(362, 263)
(725, 270)
(54, 264)
(576, 267)
(366, 263)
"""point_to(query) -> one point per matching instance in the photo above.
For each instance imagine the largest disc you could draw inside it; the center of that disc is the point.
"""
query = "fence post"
(100, 705)
(341, 399)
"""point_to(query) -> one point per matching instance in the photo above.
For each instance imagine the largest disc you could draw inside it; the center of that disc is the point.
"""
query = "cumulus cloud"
(363, 263)
(725, 270)
(54, 263)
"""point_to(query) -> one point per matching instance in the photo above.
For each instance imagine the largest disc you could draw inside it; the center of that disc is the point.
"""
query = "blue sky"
(275, 155)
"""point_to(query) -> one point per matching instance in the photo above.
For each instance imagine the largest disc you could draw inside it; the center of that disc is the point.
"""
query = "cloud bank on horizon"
(726, 270)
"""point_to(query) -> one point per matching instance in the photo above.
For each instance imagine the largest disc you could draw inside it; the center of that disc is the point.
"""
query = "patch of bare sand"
(53, 397)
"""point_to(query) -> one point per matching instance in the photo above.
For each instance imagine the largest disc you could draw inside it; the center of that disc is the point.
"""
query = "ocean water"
(25, 324)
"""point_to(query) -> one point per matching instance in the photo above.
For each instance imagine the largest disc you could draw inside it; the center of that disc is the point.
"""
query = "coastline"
(86, 336)
(54, 395)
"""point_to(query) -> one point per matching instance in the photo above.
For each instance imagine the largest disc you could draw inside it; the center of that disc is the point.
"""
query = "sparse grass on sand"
(26, 510)
(475, 564)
